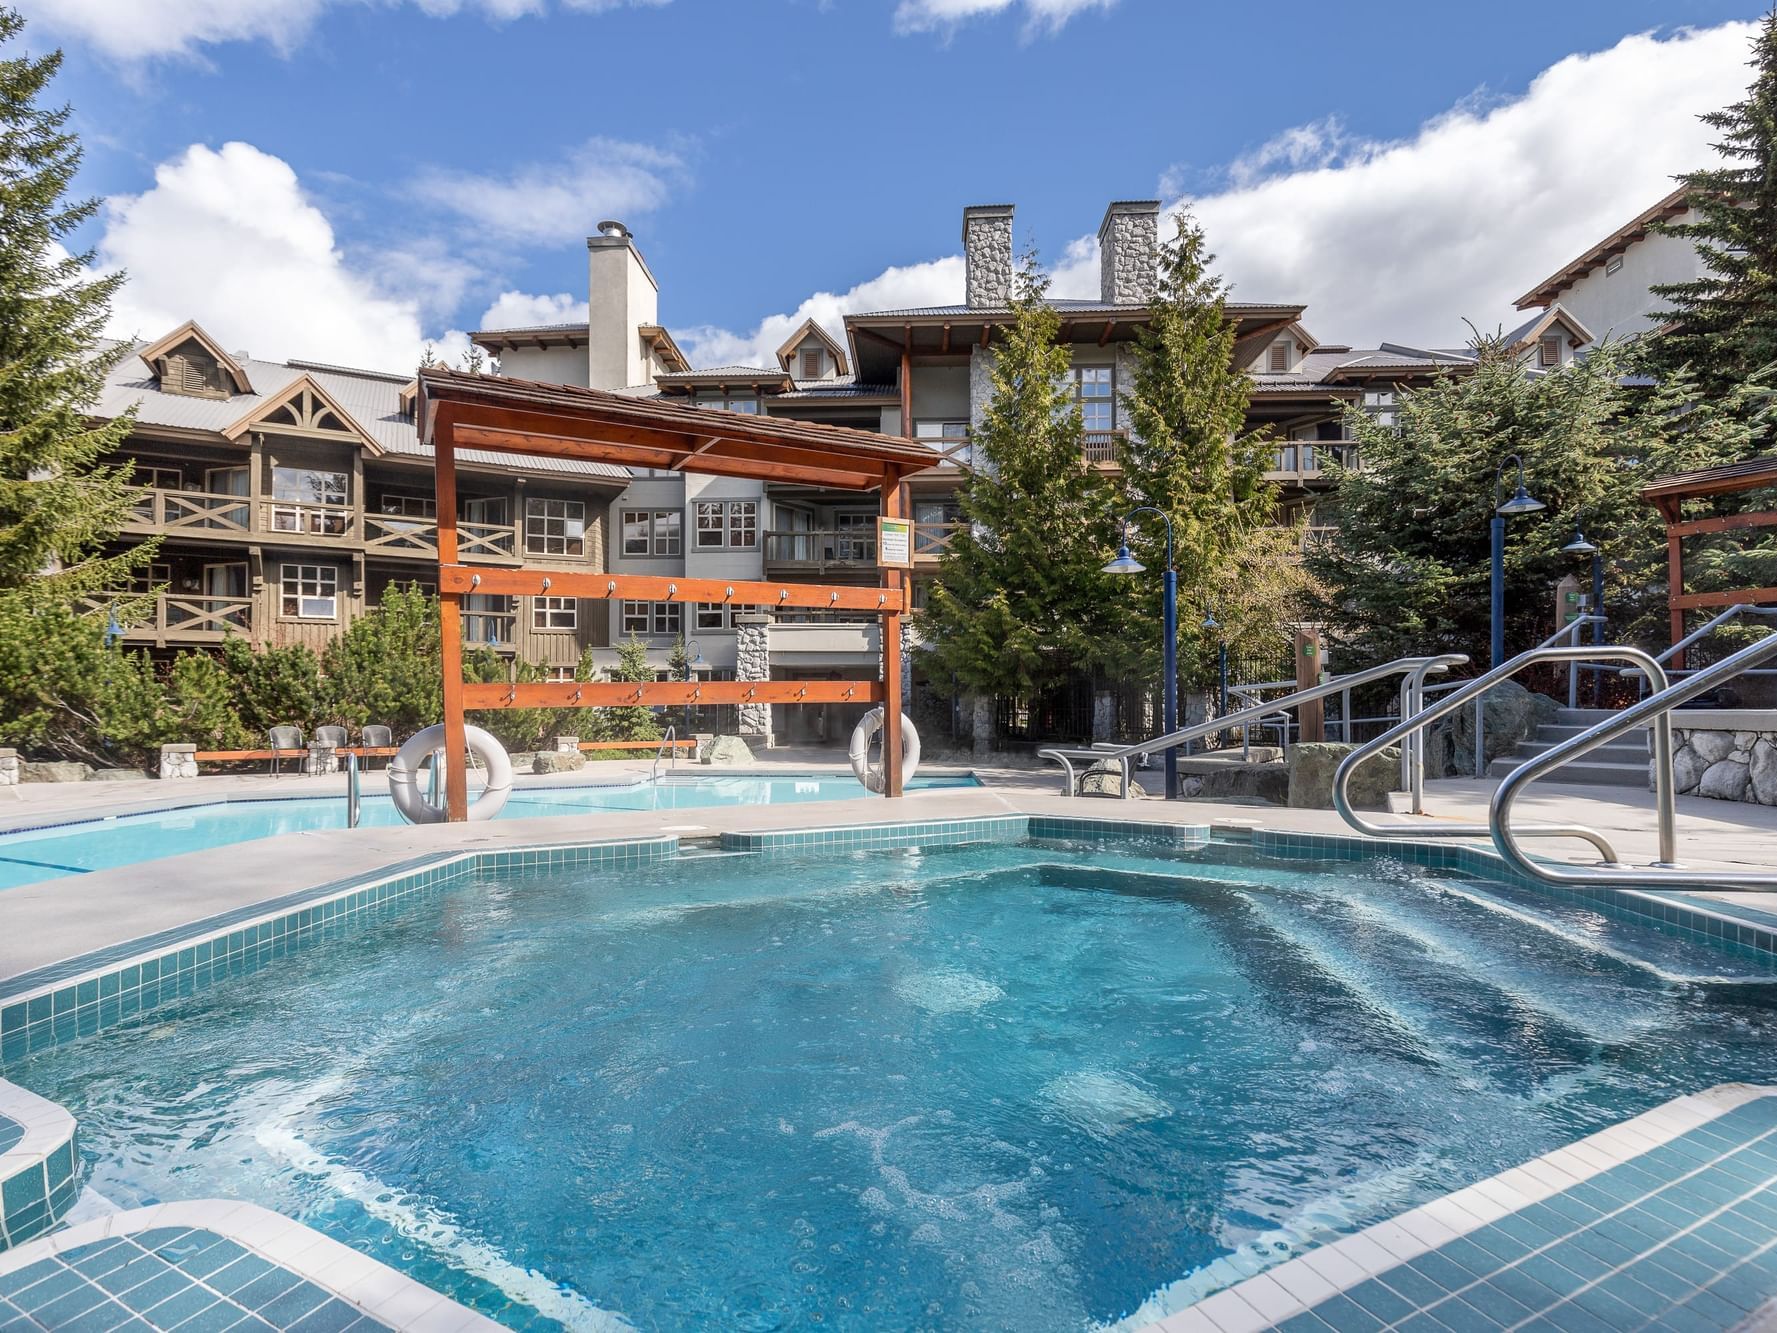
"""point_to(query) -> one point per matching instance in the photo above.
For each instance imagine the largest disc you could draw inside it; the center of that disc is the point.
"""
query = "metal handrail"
(1401, 666)
(1699, 634)
(1570, 630)
(1476, 687)
(666, 747)
(352, 793)
(1656, 708)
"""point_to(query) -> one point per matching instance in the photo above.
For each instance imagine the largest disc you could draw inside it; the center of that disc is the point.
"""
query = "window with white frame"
(313, 501)
(1380, 404)
(729, 402)
(1095, 389)
(160, 478)
(719, 615)
(733, 524)
(554, 613)
(309, 592)
(407, 505)
(561, 673)
(554, 527)
(653, 532)
(653, 618)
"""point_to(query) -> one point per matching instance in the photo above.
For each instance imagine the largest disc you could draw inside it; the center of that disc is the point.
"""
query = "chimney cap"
(612, 227)
(1122, 207)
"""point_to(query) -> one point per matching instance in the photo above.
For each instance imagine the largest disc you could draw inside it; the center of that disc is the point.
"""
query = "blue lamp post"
(1213, 626)
(1125, 563)
(1580, 546)
(1522, 502)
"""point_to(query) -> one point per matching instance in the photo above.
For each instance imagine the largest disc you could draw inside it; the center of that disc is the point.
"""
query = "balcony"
(1304, 460)
(189, 513)
(932, 540)
(395, 534)
(490, 629)
(1104, 448)
(818, 552)
(956, 451)
(177, 618)
(300, 518)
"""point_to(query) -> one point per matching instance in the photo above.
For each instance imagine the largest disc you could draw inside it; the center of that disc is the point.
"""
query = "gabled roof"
(664, 346)
(1551, 287)
(810, 329)
(191, 331)
(1538, 324)
(320, 405)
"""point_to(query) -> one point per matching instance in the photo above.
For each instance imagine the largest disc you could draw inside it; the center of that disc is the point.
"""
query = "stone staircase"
(1619, 763)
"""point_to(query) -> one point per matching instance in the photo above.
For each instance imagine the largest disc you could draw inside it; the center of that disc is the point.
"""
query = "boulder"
(1712, 746)
(1688, 768)
(119, 775)
(55, 770)
(1763, 773)
(1269, 783)
(558, 761)
(727, 750)
(1106, 779)
(1726, 781)
(1312, 765)
(1510, 713)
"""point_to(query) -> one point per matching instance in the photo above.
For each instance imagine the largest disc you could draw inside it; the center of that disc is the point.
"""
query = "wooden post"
(1674, 585)
(1310, 717)
(893, 506)
(450, 625)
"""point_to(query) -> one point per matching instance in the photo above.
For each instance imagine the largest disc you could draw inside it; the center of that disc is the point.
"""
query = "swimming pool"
(1044, 1084)
(100, 844)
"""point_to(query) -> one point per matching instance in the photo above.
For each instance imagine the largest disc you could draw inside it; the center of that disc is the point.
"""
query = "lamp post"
(1521, 503)
(1212, 626)
(693, 663)
(1580, 546)
(1125, 563)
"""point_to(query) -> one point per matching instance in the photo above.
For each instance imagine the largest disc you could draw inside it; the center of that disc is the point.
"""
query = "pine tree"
(1019, 603)
(1724, 324)
(632, 722)
(58, 505)
(1190, 456)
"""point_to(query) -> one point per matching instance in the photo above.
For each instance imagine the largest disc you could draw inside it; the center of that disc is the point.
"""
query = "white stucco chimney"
(1129, 252)
(987, 254)
(621, 294)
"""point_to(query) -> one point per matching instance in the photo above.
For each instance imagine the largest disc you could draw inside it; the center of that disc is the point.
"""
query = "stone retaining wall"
(1726, 765)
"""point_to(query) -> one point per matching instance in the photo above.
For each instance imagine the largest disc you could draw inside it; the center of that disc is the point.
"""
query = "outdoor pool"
(100, 844)
(1044, 1085)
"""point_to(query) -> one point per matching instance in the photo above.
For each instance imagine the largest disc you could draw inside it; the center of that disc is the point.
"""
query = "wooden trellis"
(456, 411)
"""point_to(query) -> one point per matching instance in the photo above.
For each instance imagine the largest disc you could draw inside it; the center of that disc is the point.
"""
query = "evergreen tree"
(58, 505)
(632, 722)
(1724, 324)
(1190, 456)
(1019, 603)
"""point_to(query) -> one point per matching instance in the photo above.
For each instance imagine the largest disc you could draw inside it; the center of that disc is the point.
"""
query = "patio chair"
(332, 737)
(376, 737)
(284, 738)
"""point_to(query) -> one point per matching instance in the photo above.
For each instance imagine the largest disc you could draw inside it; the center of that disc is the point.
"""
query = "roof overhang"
(810, 329)
(665, 349)
(1551, 287)
(541, 336)
(192, 331)
(762, 381)
(1749, 474)
(492, 412)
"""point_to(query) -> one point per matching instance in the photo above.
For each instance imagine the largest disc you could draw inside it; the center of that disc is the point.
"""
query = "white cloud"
(559, 201)
(1404, 240)
(935, 282)
(138, 30)
(228, 238)
(946, 15)
(523, 310)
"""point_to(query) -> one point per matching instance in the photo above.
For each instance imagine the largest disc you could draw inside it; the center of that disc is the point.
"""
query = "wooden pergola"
(456, 410)
(1668, 495)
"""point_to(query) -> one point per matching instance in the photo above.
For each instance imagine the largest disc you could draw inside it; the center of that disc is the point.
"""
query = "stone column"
(752, 661)
(9, 767)
(1128, 252)
(981, 722)
(321, 760)
(1104, 715)
(178, 760)
(987, 255)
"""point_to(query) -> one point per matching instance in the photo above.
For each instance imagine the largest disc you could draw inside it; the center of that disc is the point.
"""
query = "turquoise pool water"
(73, 849)
(1043, 1086)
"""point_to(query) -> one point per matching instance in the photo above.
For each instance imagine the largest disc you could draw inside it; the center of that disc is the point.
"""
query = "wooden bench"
(638, 745)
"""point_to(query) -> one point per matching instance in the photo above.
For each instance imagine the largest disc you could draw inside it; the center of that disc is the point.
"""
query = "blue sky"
(396, 167)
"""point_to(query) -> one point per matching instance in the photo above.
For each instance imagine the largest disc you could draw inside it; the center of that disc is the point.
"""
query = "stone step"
(1582, 772)
(1584, 717)
(1616, 752)
(1559, 731)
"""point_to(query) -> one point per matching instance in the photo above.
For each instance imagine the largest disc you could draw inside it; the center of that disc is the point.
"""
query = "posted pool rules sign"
(894, 543)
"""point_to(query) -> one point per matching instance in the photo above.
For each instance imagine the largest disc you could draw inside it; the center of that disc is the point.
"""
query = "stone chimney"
(987, 254)
(1129, 252)
(621, 295)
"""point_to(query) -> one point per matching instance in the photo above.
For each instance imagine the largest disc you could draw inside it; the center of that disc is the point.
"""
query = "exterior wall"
(554, 365)
(940, 393)
(1619, 305)
(621, 296)
(1729, 755)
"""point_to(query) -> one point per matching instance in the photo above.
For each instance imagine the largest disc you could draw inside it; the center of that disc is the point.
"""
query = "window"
(949, 438)
(554, 613)
(1280, 357)
(1381, 407)
(192, 371)
(150, 578)
(561, 673)
(554, 527)
(652, 532)
(1548, 351)
(653, 617)
(1095, 391)
(729, 402)
(310, 592)
(811, 363)
(313, 501)
(727, 523)
(719, 615)
(408, 506)
(160, 478)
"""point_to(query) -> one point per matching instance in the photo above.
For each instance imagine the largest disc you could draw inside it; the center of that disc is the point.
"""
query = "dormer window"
(1548, 351)
(811, 363)
(1280, 357)
(189, 370)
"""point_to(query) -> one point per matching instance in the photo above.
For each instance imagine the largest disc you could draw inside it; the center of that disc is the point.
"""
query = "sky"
(352, 180)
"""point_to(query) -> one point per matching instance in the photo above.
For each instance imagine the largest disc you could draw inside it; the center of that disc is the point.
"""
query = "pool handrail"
(669, 747)
(353, 795)
(1696, 636)
(1657, 710)
(1424, 717)
(1408, 666)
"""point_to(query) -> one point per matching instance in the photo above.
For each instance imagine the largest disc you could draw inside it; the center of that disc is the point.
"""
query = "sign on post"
(894, 543)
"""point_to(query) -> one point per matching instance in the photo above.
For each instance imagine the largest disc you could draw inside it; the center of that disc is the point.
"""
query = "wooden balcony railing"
(490, 629)
(1298, 459)
(310, 520)
(932, 540)
(956, 452)
(189, 511)
(814, 551)
(187, 618)
(1103, 448)
(395, 534)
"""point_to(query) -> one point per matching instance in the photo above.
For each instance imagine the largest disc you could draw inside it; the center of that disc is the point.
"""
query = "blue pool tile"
(1417, 1289)
(248, 1268)
(1346, 1315)
(333, 1317)
(1387, 1305)
(45, 1290)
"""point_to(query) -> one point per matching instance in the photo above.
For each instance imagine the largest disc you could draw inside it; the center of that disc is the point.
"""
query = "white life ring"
(872, 775)
(404, 775)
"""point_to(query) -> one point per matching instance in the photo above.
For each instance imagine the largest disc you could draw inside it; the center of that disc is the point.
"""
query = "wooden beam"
(874, 336)
(1105, 337)
(668, 693)
(703, 447)
(986, 329)
(1674, 591)
(462, 579)
(1727, 523)
(1734, 597)
(944, 342)
(450, 628)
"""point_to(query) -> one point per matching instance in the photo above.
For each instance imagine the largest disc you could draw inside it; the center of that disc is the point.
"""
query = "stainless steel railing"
(1654, 710)
(1697, 636)
(1411, 667)
(666, 748)
(1569, 631)
(352, 793)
